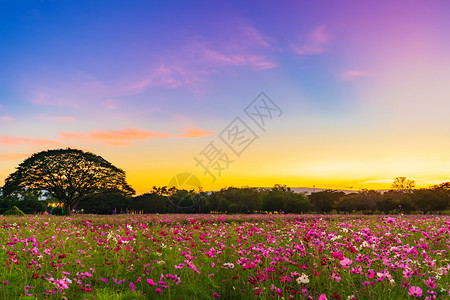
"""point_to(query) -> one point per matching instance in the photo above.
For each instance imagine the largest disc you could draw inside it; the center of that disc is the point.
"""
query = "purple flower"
(415, 291)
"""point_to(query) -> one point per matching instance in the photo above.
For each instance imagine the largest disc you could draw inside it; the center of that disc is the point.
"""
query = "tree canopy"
(69, 175)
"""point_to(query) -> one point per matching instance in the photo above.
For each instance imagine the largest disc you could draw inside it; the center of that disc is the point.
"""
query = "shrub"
(14, 211)
(59, 211)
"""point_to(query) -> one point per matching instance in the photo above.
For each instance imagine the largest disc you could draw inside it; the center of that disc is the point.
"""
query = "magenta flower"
(151, 282)
(370, 273)
(415, 291)
(132, 286)
(322, 297)
(158, 290)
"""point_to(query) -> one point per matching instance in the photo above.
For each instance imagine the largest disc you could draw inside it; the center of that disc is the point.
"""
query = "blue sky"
(148, 84)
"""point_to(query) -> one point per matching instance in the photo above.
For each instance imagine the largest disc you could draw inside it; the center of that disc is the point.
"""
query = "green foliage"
(325, 201)
(29, 201)
(14, 211)
(105, 204)
(59, 211)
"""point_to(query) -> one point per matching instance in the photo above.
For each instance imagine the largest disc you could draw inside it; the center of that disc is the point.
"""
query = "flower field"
(225, 256)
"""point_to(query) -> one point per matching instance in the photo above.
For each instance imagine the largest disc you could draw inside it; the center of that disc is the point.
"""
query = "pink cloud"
(57, 118)
(127, 136)
(353, 74)
(187, 64)
(164, 76)
(50, 99)
(314, 42)
(6, 118)
(13, 141)
(110, 104)
(213, 57)
(255, 37)
(195, 61)
(13, 156)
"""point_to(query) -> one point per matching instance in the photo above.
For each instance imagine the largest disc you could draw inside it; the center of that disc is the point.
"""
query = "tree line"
(279, 199)
(63, 180)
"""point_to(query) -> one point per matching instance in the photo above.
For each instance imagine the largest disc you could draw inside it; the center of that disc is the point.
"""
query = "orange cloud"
(194, 133)
(127, 136)
(116, 138)
(13, 141)
(13, 156)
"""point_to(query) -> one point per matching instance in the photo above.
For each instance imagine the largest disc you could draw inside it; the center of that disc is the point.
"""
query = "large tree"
(69, 175)
(403, 184)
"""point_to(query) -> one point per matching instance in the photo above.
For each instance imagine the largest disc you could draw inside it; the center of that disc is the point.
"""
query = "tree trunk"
(68, 209)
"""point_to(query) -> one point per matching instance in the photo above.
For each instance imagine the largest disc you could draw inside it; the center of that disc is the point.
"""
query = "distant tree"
(403, 184)
(325, 201)
(367, 200)
(347, 203)
(282, 198)
(442, 186)
(68, 175)
(104, 204)
(428, 200)
(235, 200)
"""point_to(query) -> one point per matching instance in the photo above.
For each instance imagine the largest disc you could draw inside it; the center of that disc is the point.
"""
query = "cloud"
(190, 61)
(57, 118)
(13, 141)
(314, 43)
(255, 37)
(51, 99)
(125, 137)
(215, 57)
(13, 156)
(195, 61)
(353, 74)
(195, 132)
(6, 118)
(110, 104)
(379, 181)
(164, 76)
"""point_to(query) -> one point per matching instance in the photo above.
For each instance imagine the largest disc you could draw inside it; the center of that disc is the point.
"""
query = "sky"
(333, 94)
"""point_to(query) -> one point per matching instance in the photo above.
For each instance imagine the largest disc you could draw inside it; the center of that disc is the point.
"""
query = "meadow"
(224, 256)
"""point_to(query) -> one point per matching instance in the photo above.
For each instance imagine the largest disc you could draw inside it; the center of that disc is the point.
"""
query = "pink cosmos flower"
(322, 297)
(62, 284)
(158, 290)
(415, 291)
(346, 262)
(151, 282)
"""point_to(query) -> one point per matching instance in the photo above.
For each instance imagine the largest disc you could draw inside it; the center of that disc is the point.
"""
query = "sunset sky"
(362, 89)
